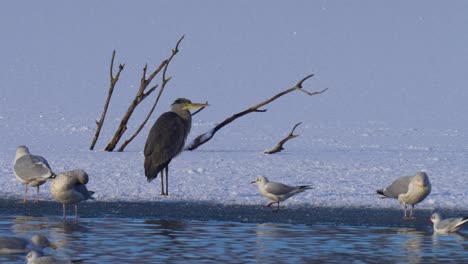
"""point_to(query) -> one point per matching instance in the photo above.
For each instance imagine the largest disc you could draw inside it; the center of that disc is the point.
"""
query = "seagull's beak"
(429, 220)
(252, 182)
(53, 246)
(194, 105)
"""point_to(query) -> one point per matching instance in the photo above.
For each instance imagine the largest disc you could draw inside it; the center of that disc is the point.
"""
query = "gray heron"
(166, 140)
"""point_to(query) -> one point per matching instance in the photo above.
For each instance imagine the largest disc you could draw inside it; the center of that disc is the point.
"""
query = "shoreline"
(206, 211)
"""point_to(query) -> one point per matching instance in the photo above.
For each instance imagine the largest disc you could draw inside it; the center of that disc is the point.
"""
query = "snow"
(396, 102)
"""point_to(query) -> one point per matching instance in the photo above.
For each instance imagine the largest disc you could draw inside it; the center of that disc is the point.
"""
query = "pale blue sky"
(403, 63)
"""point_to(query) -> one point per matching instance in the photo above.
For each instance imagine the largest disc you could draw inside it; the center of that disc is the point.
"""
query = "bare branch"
(205, 137)
(279, 146)
(139, 97)
(164, 82)
(113, 81)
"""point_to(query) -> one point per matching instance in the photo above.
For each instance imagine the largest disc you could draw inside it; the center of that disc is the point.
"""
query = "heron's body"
(408, 190)
(31, 170)
(166, 140)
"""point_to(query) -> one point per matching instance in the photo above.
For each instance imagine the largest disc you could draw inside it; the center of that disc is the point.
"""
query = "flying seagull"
(31, 170)
(276, 191)
(408, 190)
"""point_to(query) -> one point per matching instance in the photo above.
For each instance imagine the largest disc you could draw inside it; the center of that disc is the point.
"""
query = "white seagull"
(408, 190)
(276, 191)
(449, 225)
(15, 245)
(70, 188)
(31, 170)
(35, 257)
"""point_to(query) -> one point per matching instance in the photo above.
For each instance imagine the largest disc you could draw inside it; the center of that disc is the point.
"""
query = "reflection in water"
(125, 240)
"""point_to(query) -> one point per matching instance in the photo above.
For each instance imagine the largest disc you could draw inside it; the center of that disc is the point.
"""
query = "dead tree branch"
(139, 97)
(164, 82)
(205, 137)
(279, 146)
(113, 81)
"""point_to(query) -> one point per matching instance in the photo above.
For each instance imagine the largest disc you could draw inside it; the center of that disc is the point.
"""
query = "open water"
(208, 236)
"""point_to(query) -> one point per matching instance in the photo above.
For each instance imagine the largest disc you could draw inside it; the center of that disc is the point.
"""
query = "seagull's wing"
(398, 187)
(30, 167)
(277, 188)
(452, 224)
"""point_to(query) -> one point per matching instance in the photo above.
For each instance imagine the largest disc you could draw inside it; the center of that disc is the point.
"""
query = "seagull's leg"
(37, 195)
(76, 214)
(64, 212)
(403, 204)
(167, 179)
(277, 207)
(25, 193)
(411, 212)
(269, 204)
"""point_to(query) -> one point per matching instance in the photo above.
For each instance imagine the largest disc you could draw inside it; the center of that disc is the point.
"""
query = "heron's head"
(422, 180)
(185, 104)
(261, 180)
(435, 218)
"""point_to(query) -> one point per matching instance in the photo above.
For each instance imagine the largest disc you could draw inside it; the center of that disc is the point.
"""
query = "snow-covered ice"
(396, 102)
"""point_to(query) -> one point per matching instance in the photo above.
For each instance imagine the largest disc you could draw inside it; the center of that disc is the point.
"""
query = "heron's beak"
(194, 105)
(53, 246)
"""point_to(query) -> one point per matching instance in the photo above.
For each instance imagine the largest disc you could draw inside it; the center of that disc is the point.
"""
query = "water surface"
(140, 240)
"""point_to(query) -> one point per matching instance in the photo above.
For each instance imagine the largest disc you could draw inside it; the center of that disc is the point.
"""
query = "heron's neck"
(186, 116)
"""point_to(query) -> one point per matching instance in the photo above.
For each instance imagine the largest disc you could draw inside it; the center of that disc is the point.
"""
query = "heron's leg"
(162, 182)
(37, 195)
(64, 212)
(25, 193)
(167, 180)
(76, 214)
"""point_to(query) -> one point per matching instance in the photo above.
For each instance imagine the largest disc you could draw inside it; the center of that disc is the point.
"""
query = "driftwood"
(141, 94)
(113, 81)
(164, 82)
(205, 137)
(279, 146)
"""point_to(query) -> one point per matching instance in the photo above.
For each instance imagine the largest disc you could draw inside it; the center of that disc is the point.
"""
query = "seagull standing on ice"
(70, 188)
(276, 191)
(408, 190)
(449, 225)
(31, 170)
